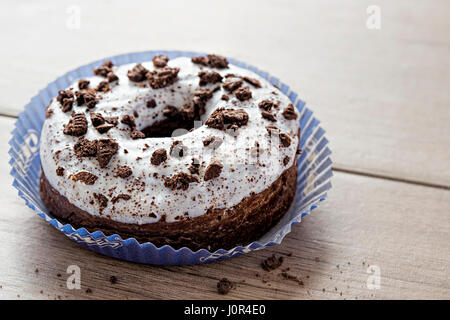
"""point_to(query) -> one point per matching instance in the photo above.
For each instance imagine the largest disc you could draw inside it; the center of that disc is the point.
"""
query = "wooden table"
(382, 95)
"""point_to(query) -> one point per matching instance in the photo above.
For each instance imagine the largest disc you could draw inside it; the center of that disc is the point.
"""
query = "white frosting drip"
(242, 175)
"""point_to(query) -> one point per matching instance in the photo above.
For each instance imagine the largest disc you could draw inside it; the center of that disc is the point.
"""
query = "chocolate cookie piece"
(243, 93)
(209, 77)
(269, 116)
(158, 156)
(106, 149)
(86, 97)
(179, 181)
(213, 170)
(137, 73)
(161, 78)
(160, 61)
(85, 148)
(223, 118)
(66, 99)
(77, 125)
(289, 112)
(85, 177)
(124, 171)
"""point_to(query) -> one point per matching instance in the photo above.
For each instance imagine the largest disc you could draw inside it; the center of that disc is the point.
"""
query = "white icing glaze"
(242, 175)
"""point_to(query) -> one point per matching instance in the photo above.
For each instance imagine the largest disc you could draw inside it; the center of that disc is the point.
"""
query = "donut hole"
(173, 126)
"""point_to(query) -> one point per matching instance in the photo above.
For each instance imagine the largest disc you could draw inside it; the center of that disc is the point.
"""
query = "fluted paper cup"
(313, 182)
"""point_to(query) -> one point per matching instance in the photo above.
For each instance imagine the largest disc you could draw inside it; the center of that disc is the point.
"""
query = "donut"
(188, 152)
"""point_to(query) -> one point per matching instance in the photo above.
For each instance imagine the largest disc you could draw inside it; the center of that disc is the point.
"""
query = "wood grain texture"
(401, 228)
(383, 95)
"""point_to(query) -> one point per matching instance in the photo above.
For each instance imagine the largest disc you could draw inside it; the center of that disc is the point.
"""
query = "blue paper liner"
(314, 174)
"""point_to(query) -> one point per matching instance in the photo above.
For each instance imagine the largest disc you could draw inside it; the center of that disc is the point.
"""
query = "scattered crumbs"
(224, 286)
(58, 275)
(88, 290)
(291, 277)
(41, 292)
(36, 270)
(113, 279)
(271, 263)
(323, 290)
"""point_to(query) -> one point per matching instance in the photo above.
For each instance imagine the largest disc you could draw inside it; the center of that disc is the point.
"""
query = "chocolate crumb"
(88, 290)
(113, 279)
(212, 141)
(211, 60)
(194, 168)
(225, 97)
(232, 85)
(96, 119)
(104, 69)
(161, 78)
(291, 277)
(209, 77)
(285, 140)
(112, 120)
(137, 73)
(83, 84)
(103, 128)
(224, 286)
(136, 134)
(129, 121)
(48, 112)
(266, 105)
(87, 97)
(121, 196)
(267, 115)
(102, 201)
(60, 171)
(160, 61)
(286, 160)
(289, 112)
(272, 263)
(66, 99)
(216, 61)
(124, 171)
(179, 181)
(200, 60)
(213, 170)
(103, 86)
(112, 77)
(252, 81)
(158, 156)
(170, 112)
(243, 93)
(85, 177)
(151, 103)
(223, 118)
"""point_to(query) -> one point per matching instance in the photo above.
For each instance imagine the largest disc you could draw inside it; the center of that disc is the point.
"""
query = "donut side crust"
(226, 228)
